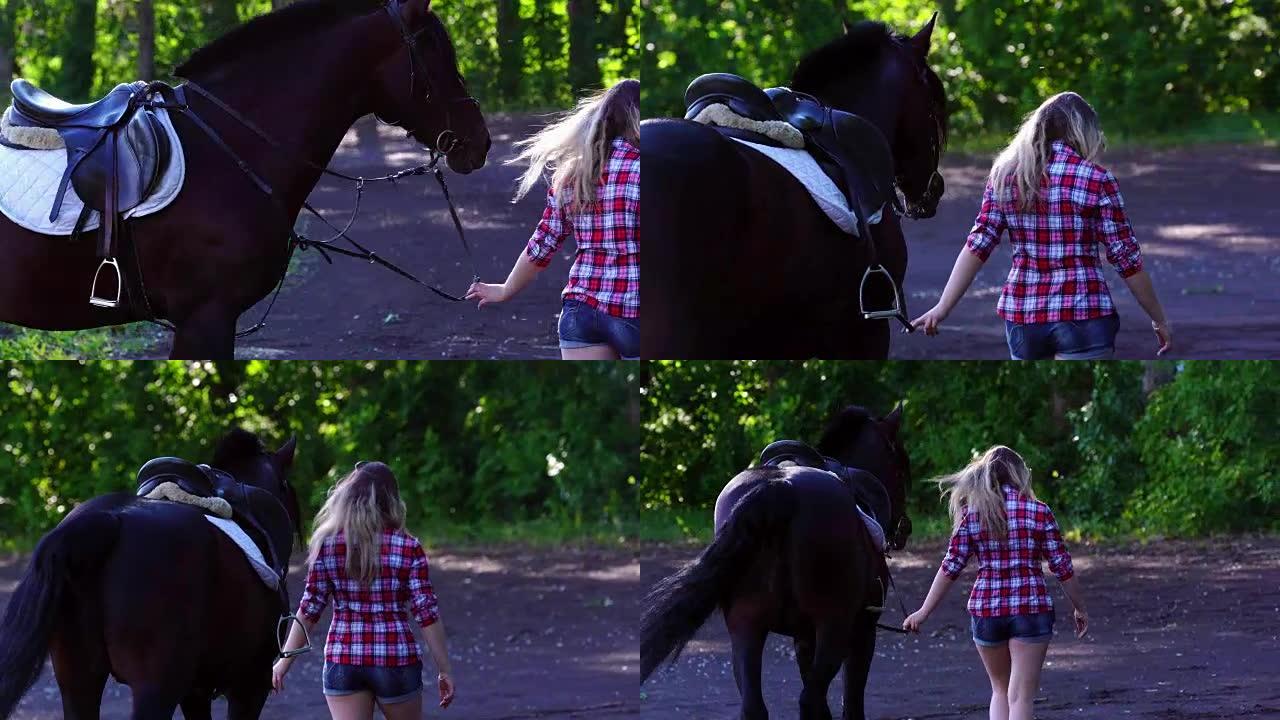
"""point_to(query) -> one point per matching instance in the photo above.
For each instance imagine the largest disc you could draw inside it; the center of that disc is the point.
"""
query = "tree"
(146, 40)
(8, 49)
(79, 40)
(510, 49)
(584, 67)
(220, 17)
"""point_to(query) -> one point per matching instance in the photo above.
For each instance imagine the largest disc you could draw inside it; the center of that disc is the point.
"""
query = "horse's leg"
(748, 633)
(245, 704)
(81, 669)
(197, 707)
(209, 333)
(856, 669)
(804, 654)
(831, 648)
(156, 701)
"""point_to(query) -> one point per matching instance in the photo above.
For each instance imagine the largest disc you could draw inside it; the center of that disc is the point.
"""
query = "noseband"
(448, 140)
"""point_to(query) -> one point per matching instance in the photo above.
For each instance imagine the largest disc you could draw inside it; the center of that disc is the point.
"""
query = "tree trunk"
(80, 38)
(8, 51)
(219, 18)
(584, 69)
(510, 49)
(146, 40)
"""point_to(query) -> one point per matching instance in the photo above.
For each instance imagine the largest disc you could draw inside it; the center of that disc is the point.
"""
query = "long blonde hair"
(1021, 165)
(361, 505)
(575, 147)
(976, 488)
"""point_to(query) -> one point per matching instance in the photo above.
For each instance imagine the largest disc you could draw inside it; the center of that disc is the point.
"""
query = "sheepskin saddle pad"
(33, 161)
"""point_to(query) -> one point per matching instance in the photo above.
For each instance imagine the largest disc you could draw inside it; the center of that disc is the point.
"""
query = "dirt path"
(353, 309)
(1180, 631)
(1209, 227)
(533, 634)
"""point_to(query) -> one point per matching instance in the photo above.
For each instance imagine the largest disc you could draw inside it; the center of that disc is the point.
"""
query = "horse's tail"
(79, 543)
(679, 604)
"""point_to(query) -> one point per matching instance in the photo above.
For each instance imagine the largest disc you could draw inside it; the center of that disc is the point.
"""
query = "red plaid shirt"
(1056, 275)
(606, 270)
(1009, 579)
(370, 623)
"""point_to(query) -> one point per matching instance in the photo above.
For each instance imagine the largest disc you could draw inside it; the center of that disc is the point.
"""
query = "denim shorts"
(996, 631)
(1066, 340)
(584, 326)
(390, 685)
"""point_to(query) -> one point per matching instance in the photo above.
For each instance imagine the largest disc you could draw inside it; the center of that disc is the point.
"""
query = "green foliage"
(537, 445)
(519, 62)
(1208, 443)
(1154, 66)
(1119, 447)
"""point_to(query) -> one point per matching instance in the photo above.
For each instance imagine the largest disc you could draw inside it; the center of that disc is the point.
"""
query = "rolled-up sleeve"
(422, 597)
(1055, 549)
(550, 234)
(1115, 231)
(958, 551)
(317, 589)
(987, 228)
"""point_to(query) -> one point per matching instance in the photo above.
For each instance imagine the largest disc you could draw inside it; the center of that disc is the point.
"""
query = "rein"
(446, 142)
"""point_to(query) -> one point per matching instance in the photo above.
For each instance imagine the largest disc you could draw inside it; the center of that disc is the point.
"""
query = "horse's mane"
(237, 445)
(843, 429)
(294, 20)
(860, 46)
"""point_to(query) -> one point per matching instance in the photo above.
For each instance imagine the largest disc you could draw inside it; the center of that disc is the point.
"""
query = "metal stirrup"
(102, 302)
(286, 621)
(891, 313)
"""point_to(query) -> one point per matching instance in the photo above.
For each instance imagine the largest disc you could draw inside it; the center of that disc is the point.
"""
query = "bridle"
(935, 186)
(446, 142)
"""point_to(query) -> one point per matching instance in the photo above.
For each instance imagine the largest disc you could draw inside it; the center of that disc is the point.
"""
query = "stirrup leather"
(104, 302)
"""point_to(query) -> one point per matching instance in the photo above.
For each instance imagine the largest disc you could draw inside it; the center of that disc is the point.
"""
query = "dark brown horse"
(740, 262)
(303, 74)
(151, 594)
(792, 556)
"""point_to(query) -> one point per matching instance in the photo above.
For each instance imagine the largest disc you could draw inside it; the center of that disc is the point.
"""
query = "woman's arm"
(1072, 588)
(942, 582)
(962, 273)
(523, 273)
(1144, 292)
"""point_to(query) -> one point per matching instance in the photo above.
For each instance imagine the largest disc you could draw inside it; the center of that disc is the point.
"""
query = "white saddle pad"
(824, 192)
(29, 180)
(251, 551)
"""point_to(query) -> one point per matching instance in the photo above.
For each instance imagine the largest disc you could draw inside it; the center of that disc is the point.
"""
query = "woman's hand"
(278, 671)
(930, 321)
(1164, 334)
(487, 293)
(1082, 622)
(446, 690)
(915, 620)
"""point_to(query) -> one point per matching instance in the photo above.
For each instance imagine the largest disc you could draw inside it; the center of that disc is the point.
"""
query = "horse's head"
(420, 89)
(242, 454)
(858, 439)
(885, 77)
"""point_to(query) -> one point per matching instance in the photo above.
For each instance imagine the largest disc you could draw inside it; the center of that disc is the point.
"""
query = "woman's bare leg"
(407, 710)
(1024, 677)
(996, 661)
(594, 352)
(358, 706)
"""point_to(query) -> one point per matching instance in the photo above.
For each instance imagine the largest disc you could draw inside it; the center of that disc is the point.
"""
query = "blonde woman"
(995, 516)
(593, 157)
(1058, 205)
(363, 562)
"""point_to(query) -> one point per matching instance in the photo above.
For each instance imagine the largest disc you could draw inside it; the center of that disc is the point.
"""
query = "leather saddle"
(249, 505)
(848, 148)
(117, 151)
(868, 491)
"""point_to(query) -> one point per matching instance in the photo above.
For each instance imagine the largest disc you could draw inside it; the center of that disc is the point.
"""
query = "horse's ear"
(893, 421)
(284, 456)
(844, 22)
(923, 38)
